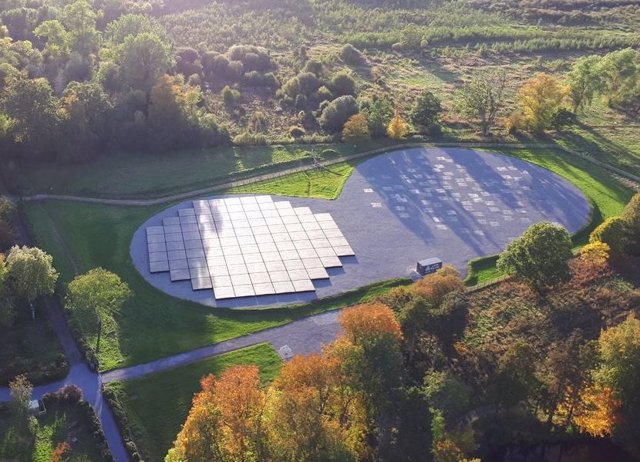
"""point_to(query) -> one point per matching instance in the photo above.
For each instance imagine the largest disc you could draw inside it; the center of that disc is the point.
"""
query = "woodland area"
(82, 79)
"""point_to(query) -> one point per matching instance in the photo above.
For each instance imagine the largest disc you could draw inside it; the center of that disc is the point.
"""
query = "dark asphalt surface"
(400, 207)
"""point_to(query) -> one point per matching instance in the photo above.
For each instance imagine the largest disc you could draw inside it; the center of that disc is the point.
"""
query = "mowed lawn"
(321, 183)
(152, 324)
(150, 175)
(157, 405)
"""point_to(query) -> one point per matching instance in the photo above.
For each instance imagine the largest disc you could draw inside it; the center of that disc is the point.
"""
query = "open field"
(151, 325)
(164, 173)
(157, 405)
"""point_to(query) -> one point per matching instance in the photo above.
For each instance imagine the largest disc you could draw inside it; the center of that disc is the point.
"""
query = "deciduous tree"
(539, 257)
(97, 291)
(225, 420)
(585, 81)
(482, 98)
(356, 129)
(398, 128)
(31, 274)
(613, 232)
(619, 349)
(426, 109)
(539, 99)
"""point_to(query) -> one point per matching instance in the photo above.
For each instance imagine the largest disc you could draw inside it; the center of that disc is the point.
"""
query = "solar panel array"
(246, 246)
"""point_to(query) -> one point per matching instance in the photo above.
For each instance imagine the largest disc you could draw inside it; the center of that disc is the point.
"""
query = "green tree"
(142, 59)
(482, 98)
(7, 310)
(619, 349)
(95, 292)
(539, 257)
(613, 232)
(343, 84)
(79, 20)
(338, 112)
(585, 81)
(631, 216)
(379, 112)
(31, 105)
(356, 129)
(426, 110)
(86, 109)
(20, 390)
(31, 274)
(621, 72)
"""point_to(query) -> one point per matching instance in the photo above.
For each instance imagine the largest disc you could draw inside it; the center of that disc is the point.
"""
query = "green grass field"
(152, 324)
(53, 428)
(157, 405)
(317, 183)
(146, 175)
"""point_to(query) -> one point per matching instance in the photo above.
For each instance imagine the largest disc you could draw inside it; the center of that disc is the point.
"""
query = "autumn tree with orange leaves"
(225, 421)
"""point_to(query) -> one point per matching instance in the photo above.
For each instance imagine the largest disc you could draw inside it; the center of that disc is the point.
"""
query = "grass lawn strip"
(157, 405)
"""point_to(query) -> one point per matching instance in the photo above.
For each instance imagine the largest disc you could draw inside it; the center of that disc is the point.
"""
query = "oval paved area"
(407, 205)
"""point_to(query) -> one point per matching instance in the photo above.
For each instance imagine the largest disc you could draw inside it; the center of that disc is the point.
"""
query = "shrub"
(323, 94)
(308, 83)
(235, 70)
(230, 96)
(337, 112)
(314, 66)
(426, 110)
(355, 129)
(631, 216)
(296, 132)
(291, 87)
(70, 393)
(271, 81)
(249, 139)
(613, 232)
(301, 101)
(254, 79)
(351, 55)
(343, 84)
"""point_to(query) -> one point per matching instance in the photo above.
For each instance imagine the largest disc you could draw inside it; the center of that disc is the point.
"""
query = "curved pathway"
(304, 336)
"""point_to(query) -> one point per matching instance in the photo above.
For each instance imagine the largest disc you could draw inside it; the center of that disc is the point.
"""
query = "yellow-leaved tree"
(539, 100)
(398, 127)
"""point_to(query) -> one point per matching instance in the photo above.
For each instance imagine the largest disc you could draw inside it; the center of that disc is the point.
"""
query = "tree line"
(404, 378)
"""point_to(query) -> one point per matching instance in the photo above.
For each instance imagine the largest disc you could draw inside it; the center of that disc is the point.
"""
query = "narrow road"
(304, 336)
(298, 337)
